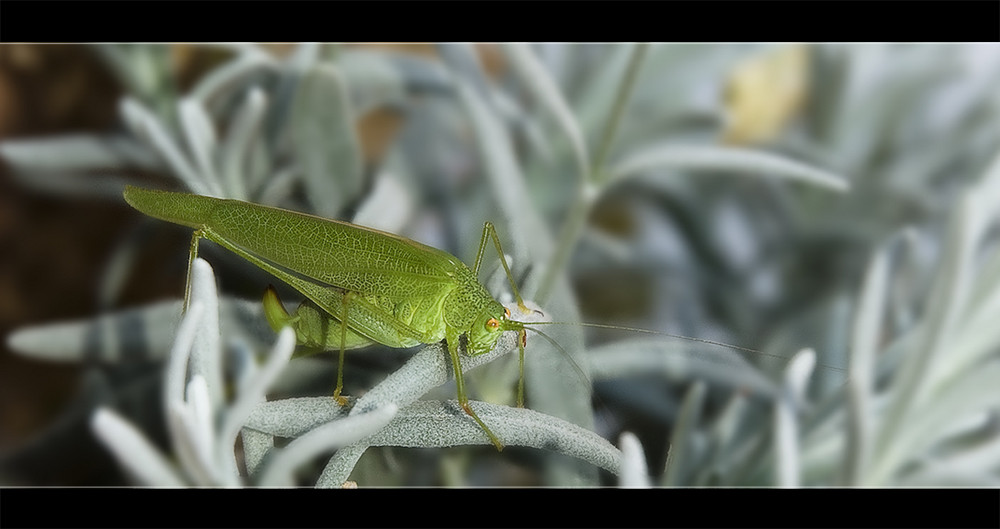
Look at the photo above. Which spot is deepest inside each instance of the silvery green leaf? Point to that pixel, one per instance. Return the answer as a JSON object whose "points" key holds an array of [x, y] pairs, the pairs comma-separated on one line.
{"points": [[253, 393], [133, 333], [145, 70], [428, 369], [538, 80], [228, 76], [444, 423], [634, 471], [462, 59], [244, 132], [104, 186], [939, 475], [325, 140], [975, 394], [557, 381], [616, 113], [985, 297], [505, 177], [305, 372], [199, 427], [305, 56], [387, 207], [55, 164], [122, 62], [256, 445], [173, 391], [77, 152], [206, 346], [724, 159], [950, 292], [340, 466], [679, 360], [861, 106], [373, 79], [332, 435], [555, 58], [146, 126], [294, 416], [974, 341], [137, 334], [183, 441], [598, 95], [723, 438], [280, 186], [133, 451], [989, 185], [679, 93], [786, 429], [861, 384], [683, 435], [984, 455], [122, 258], [202, 141], [421, 75], [242, 363], [278, 131]]}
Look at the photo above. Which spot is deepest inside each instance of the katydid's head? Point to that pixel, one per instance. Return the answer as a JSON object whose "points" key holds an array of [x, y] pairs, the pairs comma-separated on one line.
{"points": [[488, 326]]}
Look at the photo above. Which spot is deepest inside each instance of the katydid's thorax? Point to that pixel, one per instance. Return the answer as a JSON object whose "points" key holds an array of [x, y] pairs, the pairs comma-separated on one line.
{"points": [[468, 308]]}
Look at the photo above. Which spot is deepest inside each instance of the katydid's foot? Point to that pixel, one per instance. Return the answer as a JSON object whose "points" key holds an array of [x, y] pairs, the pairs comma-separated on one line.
{"points": [[341, 400], [493, 438]]}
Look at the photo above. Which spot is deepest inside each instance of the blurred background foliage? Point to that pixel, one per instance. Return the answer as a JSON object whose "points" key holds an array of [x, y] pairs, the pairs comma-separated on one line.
{"points": [[831, 206]]}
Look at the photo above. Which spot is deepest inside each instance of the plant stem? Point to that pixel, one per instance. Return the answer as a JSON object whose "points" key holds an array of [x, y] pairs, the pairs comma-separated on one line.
{"points": [[585, 191], [624, 92]]}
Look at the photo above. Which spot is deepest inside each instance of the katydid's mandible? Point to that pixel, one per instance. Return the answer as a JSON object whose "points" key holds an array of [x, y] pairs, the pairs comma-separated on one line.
{"points": [[363, 285]]}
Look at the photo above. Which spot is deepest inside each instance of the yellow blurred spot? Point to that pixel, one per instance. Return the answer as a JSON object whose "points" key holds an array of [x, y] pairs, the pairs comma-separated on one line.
{"points": [[349, 485], [764, 93]]}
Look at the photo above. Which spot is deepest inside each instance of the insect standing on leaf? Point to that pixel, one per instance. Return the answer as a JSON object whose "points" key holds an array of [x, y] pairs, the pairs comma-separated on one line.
{"points": [[362, 286]]}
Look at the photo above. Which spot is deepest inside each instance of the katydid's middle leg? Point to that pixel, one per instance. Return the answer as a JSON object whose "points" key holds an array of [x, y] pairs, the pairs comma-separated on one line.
{"points": [[490, 232], [522, 339]]}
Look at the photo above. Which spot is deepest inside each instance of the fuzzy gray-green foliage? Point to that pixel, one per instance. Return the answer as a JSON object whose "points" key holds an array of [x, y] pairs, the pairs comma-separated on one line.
{"points": [[857, 249]]}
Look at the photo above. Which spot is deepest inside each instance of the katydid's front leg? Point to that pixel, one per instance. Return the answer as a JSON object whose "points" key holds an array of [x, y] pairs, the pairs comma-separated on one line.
{"points": [[451, 340], [489, 231]]}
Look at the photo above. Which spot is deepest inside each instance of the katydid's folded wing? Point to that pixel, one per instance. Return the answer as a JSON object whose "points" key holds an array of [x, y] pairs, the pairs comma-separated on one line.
{"points": [[399, 282]]}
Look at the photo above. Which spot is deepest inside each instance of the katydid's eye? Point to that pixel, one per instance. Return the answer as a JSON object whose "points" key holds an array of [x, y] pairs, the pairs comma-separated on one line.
{"points": [[506, 312], [492, 323]]}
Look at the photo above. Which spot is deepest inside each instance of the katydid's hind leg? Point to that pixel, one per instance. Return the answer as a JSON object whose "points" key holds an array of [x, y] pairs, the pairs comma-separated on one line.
{"points": [[463, 399], [192, 257], [348, 297]]}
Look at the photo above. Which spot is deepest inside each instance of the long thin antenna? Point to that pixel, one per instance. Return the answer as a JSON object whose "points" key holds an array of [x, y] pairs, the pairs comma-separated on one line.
{"points": [[679, 336], [576, 367]]}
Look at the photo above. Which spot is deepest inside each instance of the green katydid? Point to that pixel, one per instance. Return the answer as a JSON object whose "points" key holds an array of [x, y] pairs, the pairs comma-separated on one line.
{"points": [[363, 286], [380, 287]]}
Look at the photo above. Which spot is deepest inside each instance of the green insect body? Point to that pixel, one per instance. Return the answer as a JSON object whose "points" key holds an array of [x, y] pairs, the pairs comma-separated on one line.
{"points": [[363, 286]]}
